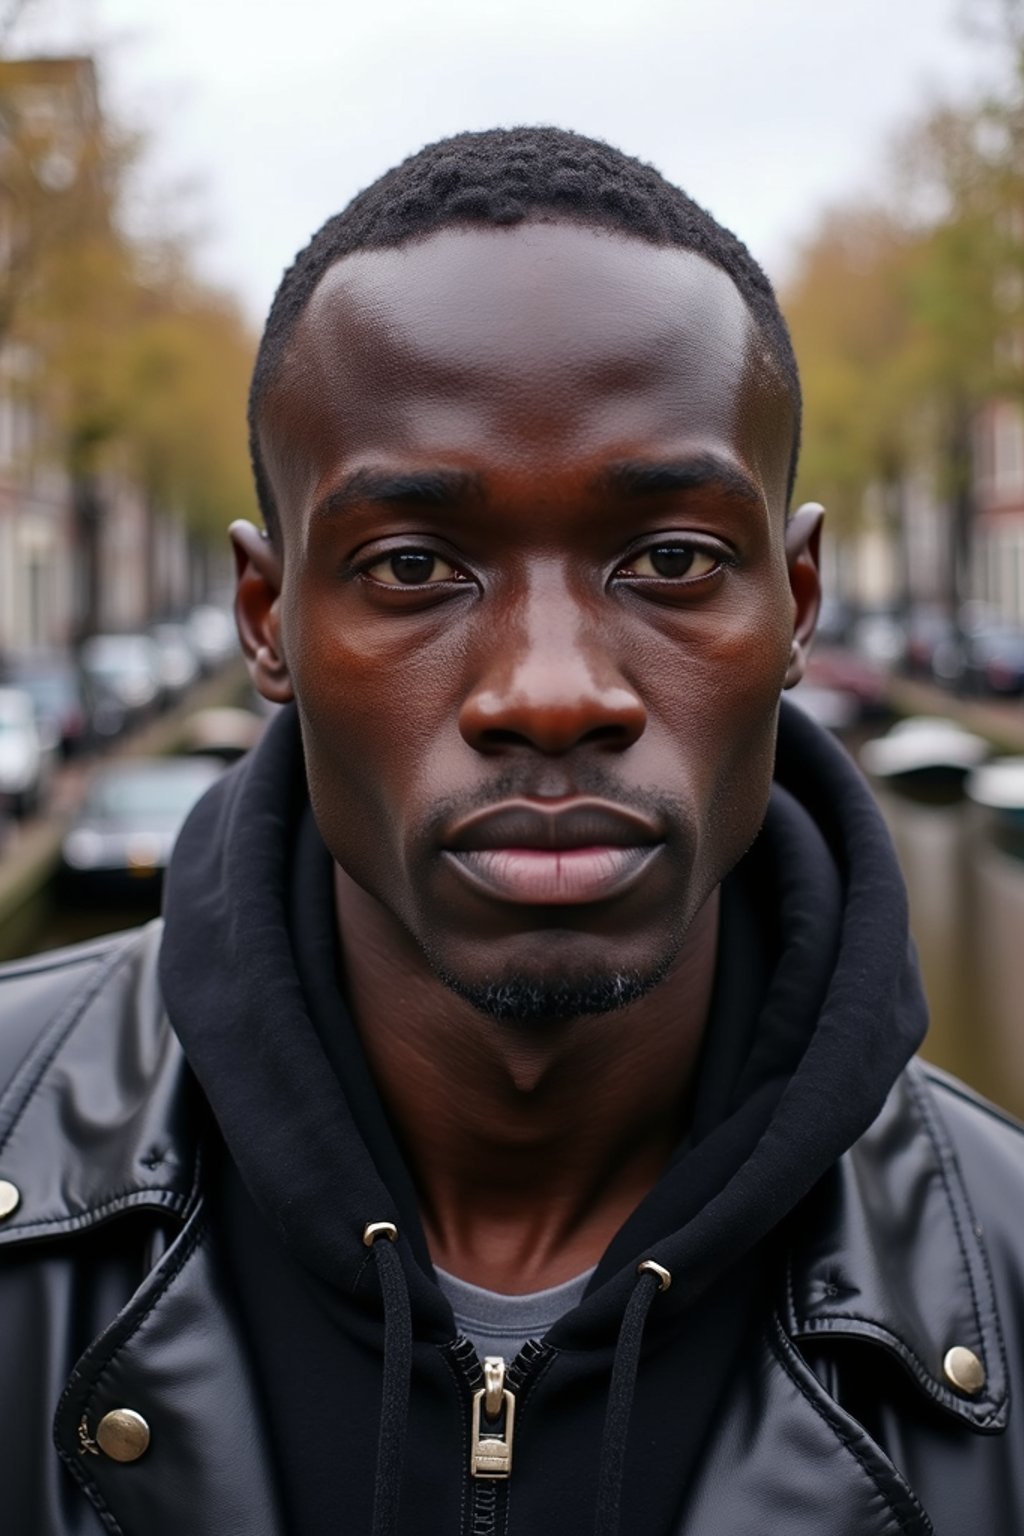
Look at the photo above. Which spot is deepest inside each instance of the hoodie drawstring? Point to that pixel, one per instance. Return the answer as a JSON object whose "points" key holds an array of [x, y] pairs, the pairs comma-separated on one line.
{"points": [[394, 1409], [652, 1279], [394, 1412]]}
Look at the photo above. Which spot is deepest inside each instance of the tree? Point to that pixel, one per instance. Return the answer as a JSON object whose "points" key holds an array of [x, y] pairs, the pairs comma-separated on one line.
{"points": [[908, 314], [133, 366], [855, 337]]}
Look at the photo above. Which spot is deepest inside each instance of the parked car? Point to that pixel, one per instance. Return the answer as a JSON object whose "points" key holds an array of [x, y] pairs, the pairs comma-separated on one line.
{"points": [[123, 677], [120, 841], [25, 759], [58, 694]]}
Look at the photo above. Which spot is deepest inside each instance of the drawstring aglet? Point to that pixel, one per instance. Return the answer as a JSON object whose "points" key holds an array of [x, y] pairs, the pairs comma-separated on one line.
{"points": [[375, 1229]]}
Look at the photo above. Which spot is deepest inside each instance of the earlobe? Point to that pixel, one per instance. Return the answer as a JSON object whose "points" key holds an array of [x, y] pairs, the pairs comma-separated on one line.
{"points": [[259, 572], [803, 540]]}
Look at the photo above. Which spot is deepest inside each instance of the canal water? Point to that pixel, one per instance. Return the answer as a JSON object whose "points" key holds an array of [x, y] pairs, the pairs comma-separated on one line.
{"points": [[967, 917]]}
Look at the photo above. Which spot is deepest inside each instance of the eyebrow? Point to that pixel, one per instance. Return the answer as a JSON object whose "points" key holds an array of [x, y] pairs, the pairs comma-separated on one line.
{"points": [[704, 471], [398, 488], [630, 477]]}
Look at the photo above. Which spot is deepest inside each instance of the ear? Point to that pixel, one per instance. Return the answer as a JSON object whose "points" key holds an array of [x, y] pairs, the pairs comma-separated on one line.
{"points": [[803, 540], [259, 571]]}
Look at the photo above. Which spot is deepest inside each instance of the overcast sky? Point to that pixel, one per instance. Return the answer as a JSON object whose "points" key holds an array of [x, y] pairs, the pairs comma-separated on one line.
{"points": [[277, 111]]}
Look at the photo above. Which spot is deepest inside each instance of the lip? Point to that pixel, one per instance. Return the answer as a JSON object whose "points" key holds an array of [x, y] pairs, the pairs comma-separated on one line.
{"points": [[566, 855]]}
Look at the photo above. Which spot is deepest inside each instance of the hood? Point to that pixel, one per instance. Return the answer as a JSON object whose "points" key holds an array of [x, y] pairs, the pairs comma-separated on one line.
{"points": [[778, 1099], [842, 1013]]}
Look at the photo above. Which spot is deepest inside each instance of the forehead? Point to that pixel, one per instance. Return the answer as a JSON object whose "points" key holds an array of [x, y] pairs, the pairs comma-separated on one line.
{"points": [[523, 344]]}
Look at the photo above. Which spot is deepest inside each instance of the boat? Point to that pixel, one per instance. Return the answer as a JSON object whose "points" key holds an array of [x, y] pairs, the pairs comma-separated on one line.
{"points": [[927, 757], [999, 788]]}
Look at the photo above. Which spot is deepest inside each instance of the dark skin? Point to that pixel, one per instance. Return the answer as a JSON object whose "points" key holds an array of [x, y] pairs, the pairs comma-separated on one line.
{"points": [[536, 597]]}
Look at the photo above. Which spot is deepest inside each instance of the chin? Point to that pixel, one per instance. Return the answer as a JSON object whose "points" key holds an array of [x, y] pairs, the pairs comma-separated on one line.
{"points": [[521, 997]]}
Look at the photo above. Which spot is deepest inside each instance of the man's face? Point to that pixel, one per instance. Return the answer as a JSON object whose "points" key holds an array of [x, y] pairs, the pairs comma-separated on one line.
{"points": [[535, 606]]}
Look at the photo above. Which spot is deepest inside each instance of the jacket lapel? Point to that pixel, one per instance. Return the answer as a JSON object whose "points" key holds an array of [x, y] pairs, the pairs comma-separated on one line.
{"points": [[889, 1251], [175, 1357], [783, 1456]]}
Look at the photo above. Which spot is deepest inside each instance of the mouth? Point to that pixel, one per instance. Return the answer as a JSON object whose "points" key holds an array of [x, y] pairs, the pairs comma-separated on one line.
{"points": [[567, 855]]}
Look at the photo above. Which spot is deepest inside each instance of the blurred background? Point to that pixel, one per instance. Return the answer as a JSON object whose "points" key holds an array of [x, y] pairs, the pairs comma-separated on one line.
{"points": [[160, 166]]}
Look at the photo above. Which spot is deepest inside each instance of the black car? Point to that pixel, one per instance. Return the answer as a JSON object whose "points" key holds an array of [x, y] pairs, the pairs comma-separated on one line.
{"points": [[120, 841]]}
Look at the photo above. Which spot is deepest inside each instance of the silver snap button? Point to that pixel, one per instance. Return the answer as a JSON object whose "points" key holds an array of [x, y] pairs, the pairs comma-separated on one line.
{"points": [[963, 1370], [10, 1198], [122, 1434]]}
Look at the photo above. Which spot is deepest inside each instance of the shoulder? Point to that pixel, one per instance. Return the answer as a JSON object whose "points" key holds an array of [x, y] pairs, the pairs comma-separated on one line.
{"points": [[982, 1135], [46, 994], [988, 1145]]}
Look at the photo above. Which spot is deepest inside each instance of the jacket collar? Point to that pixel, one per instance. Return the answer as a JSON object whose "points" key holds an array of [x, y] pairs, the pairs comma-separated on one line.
{"points": [[100, 1114], [107, 1092], [856, 1271]]}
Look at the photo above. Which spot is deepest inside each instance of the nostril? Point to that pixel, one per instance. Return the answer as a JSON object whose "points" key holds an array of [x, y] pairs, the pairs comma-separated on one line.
{"points": [[555, 738], [497, 738], [547, 713], [614, 735]]}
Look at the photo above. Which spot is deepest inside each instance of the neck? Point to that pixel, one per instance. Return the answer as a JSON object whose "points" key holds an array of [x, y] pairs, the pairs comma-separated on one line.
{"points": [[530, 1145]]}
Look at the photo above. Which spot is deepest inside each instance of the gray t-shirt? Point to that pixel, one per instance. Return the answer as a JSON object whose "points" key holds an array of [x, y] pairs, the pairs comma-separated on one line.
{"points": [[500, 1325]]}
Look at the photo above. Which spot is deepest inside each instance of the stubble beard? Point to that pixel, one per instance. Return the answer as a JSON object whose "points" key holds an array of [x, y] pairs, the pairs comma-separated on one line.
{"points": [[524, 1000]]}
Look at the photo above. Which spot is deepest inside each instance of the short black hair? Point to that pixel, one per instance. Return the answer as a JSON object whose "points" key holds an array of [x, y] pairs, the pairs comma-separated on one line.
{"points": [[502, 177]]}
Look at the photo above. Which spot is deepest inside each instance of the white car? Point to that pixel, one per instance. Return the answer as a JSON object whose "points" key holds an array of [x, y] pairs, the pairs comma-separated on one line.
{"points": [[25, 759]]}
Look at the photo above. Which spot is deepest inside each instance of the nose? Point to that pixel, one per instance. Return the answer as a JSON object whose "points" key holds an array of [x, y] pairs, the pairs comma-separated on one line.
{"points": [[550, 683]]}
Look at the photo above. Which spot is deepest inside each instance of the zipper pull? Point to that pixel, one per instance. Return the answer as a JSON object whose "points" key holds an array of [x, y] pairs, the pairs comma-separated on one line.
{"points": [[494, 1411]]}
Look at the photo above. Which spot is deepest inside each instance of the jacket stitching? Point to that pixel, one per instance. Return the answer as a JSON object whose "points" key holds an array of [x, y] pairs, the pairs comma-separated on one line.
{"points": [[87, 1374], [89, 1377], [823, 1326], [34, 1068], [198, 1237], [937, 1079], [176, 1200], [121, 1200], [941, 1140], [91, 1491], [945, 1156], [780, 1347]]}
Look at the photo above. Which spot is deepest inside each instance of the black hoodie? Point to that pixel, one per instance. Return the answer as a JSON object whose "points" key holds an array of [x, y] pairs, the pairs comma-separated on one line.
{"points": [[369, 1393]]}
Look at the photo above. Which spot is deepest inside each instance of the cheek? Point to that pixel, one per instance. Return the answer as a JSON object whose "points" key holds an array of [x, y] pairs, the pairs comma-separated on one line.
{"points": [[372, 710], [743, 778], [719, 702]]}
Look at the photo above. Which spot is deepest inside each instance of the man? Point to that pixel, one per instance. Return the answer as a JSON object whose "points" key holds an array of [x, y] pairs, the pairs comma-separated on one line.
{"points": [[511, 1127]]}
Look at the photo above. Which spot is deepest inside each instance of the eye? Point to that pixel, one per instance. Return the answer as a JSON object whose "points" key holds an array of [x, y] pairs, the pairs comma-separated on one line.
{"points": [[672, 562], [412, 568]]}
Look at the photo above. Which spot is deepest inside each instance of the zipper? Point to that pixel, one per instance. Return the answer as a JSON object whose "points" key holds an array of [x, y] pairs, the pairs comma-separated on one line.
{"points": [[494, 1417], [495, 1390]]}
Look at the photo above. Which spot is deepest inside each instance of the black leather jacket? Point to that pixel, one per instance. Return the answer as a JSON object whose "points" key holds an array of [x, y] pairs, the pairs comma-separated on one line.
{"points": [[842, 1419]]}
